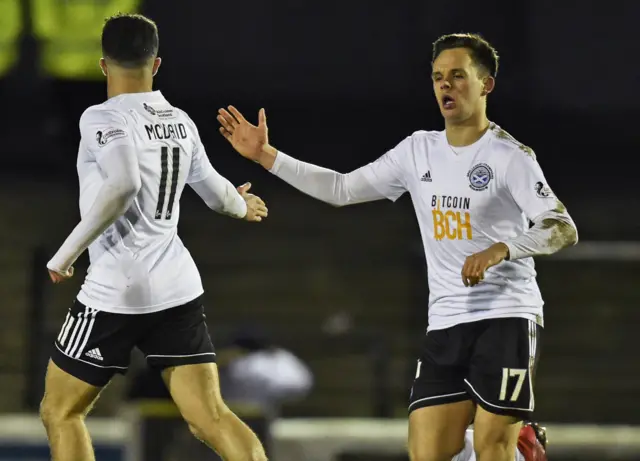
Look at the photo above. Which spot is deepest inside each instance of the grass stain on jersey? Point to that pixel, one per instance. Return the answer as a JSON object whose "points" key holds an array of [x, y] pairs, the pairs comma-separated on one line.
{"points": [[560, 208], [503, 134], [527, 150], [562, 235]]}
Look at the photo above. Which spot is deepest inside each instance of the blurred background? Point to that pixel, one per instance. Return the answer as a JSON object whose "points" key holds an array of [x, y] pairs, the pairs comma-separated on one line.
{"points": [[335, 296]]}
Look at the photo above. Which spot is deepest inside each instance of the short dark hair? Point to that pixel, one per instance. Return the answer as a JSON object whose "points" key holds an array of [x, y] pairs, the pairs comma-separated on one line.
{"points": [[482, 53], [130, 40]]}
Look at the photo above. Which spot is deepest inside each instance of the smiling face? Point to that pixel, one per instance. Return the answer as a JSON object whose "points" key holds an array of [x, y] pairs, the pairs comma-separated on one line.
{"points": [[460, 85]]}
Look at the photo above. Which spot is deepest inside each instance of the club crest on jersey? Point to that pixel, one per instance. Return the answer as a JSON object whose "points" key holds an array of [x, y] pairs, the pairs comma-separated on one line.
{"points": [[104, 137], [543, 191], [480, 176]]}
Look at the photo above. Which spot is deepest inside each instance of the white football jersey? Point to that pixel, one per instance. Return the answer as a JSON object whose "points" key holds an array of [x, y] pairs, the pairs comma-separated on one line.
{"points": [[139, 264], [467, 199]]}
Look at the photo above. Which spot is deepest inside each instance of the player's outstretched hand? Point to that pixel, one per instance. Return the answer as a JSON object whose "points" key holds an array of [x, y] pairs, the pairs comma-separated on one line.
{"points": [[476, 264], [256, 209], [59, 277], [249, 140]]}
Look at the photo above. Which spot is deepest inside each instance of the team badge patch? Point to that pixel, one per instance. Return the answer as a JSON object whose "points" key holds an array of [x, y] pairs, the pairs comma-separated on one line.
{"points": [[105, 137], [480, 176], [543, 191]]}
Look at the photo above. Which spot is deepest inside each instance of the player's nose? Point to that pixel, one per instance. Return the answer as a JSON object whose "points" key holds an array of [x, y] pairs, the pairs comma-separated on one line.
{"points": [[445, 84]]}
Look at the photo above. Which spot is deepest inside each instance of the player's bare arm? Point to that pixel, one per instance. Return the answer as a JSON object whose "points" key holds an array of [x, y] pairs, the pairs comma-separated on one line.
{"points": [[120, 187]]}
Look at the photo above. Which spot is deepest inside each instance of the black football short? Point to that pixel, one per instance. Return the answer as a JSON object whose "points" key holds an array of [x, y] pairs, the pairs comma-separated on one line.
{"points": [[491, 361], [94, 345]]}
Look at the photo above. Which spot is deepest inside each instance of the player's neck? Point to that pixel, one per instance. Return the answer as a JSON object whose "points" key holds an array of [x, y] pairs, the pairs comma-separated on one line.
{"points": [[128, 85], [467, 132]]}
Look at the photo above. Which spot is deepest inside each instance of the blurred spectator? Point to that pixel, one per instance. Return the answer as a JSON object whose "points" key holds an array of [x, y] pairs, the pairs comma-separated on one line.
{"points": [[256, 372]]}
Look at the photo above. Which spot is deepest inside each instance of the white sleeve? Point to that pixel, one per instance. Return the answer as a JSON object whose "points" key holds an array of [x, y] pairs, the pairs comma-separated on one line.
{"points": [[215, 190], [220, 195], [553, 228], [380, 179], [103, 130], [200, 165], [528, 186], [109, 139]]}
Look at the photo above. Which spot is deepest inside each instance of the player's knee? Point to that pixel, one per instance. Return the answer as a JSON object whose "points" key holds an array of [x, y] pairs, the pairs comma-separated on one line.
{"points": [[54, 413], [66, 398], [492, 439]]}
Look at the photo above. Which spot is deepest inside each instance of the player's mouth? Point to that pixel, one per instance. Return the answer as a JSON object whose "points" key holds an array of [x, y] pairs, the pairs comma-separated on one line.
{"points": [[448, 102]]}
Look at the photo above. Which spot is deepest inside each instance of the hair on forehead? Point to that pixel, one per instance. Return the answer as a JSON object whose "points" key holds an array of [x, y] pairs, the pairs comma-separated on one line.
{"points": [[482, 54]]}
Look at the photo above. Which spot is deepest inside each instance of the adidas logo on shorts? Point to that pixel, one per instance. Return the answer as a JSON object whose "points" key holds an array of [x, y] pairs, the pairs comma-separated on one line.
{"points": [[94, 354]]}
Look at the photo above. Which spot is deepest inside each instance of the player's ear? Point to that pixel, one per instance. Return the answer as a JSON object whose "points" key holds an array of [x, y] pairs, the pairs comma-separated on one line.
{"points": [[156, 65], [488, 84], [103, 66]]}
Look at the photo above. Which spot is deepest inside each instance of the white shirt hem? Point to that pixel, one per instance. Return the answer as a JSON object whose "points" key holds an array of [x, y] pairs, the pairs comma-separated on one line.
{"points": [[537, 318], [129, 310]]}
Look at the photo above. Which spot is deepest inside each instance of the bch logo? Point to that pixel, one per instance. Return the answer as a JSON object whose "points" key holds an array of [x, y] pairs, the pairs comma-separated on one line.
{"points": [[450, 224]]}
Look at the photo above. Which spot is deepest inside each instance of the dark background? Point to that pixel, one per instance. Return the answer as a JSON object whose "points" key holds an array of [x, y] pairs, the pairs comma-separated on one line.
{"points": [[342, 82]]}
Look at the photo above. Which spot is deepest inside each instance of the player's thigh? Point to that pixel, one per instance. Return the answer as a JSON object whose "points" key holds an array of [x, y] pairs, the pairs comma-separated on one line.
{"points": [[502, 372], [436, 433], [94, 345], [65, 395], [440, 406], [176, 336], [196, 391]]}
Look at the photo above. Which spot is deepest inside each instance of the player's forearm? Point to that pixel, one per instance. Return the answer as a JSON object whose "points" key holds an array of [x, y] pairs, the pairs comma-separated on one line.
{"points": [[232, 203], [550, 233], [323, 184], [111, 203], [318, 182], [268, 157], [220, 195]]}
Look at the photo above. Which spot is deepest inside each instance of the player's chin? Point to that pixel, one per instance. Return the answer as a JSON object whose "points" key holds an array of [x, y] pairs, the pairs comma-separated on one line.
{"points": [[452, 115]]}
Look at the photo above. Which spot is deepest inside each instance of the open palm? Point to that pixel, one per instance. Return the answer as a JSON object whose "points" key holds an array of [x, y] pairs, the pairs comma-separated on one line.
{"points": [[246, 138]]}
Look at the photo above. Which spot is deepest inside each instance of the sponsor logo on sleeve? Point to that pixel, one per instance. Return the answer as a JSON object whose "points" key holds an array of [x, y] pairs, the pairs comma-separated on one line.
{"points": [[105, 137], [543, 191]]}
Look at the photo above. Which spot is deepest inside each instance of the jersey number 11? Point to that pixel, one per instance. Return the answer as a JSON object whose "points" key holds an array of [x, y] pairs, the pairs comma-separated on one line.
{"points": [[175, 169]]}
